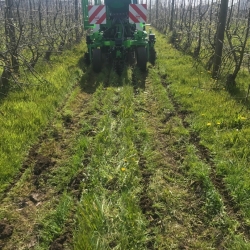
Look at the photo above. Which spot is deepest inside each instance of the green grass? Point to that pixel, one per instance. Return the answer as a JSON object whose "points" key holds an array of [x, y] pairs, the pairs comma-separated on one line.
{"points": [[26, 112], [221, 121], [220, 226], [126, 133], [108, 214], [53, 223]]}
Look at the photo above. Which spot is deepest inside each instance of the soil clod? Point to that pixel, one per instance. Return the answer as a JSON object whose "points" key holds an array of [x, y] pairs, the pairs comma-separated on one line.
{"points": [[42, 163], [34, 198], [59, 243], [6, 230]]}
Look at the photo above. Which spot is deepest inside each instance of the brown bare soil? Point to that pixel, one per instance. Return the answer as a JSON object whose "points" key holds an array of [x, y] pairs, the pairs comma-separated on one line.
{"points": [[5, 230], [59, 243]]}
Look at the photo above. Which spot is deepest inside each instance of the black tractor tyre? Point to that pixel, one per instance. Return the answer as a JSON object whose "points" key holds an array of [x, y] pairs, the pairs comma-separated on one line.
{"points": [[152, 56], [97, 60], [118, 65], [131, 58], [142, 58]]}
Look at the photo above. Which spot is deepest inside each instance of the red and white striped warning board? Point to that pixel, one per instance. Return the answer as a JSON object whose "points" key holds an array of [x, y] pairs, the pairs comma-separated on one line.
{"points": [[137, 13], [97, 14]]}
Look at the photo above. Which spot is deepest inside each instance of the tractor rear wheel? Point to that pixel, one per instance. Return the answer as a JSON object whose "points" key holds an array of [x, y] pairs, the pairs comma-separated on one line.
{"points": [[97, 60], [131, 58], [86, 58], [142, 58], [152, 56]]}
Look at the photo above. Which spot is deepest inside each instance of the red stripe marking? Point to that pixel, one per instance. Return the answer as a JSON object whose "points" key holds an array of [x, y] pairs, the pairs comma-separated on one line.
{"points": [[101, 19], [90, 7], [95, 13], [137, 9], [133, 18]]}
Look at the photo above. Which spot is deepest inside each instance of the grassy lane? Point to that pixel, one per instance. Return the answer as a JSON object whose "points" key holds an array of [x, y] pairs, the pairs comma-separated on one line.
{"points": [[38, 204], [191, 209], [210, 115], [109, 215], [25, 113], [141, 161], [146, 186], [183, 204]]}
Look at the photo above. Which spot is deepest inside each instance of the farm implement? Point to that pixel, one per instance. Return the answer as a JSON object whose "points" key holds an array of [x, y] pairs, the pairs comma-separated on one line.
{"points": [[117, 35]]}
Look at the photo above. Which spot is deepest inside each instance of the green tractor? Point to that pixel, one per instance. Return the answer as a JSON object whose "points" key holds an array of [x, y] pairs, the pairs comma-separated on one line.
{"points": [[117, 34]]}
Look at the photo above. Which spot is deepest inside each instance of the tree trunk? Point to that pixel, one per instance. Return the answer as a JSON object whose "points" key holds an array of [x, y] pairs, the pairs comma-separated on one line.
{"points": [[77, 20], [157, 10], [172, 16], [220, 38], [11, 36], [238, 65]]}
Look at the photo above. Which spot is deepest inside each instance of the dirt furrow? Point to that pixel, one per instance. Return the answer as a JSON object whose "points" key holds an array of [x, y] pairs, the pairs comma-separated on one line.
{"points": [[146, 203]]}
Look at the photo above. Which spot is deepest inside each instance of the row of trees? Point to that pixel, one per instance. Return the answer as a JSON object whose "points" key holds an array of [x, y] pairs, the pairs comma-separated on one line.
{"points": [[215, 32], [35, 29]]}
